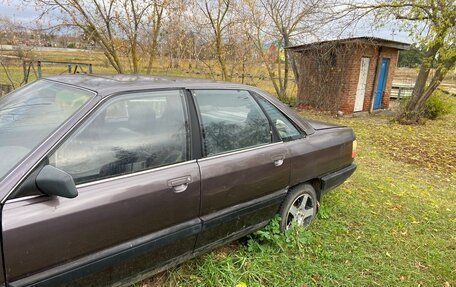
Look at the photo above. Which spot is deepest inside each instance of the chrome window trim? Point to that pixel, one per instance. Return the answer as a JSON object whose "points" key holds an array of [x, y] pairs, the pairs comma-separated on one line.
{"points": [[23, 198], [70, 85], [239, 151], [123, 176]]}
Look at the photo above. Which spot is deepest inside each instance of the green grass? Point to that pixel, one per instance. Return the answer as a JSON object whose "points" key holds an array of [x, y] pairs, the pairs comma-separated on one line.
{"points": [[393, 223]]}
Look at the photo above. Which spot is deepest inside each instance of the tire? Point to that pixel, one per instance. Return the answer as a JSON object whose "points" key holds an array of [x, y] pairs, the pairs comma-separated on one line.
{"points": [[300, 205]]}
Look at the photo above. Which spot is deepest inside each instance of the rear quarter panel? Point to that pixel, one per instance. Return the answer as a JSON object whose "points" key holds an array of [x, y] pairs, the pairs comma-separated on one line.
{"points": [[318, 154]]}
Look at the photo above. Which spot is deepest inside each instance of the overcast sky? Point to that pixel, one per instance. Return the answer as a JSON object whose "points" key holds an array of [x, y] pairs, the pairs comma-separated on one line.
{"points": [[27, 16]]}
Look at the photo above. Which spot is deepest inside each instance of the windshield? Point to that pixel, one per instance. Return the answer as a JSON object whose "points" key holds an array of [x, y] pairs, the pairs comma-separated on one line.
{"points": [[32, 113]]}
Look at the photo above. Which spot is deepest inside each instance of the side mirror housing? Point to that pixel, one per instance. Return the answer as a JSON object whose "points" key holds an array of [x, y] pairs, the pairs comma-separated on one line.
{"points": [[53, 181]]}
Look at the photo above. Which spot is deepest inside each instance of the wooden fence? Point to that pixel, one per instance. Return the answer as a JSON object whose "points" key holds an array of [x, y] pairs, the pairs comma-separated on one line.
{"points": [[401, 90]]}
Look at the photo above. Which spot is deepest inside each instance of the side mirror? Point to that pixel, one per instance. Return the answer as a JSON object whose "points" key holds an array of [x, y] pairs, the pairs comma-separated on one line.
{"points": [[53, 181]]}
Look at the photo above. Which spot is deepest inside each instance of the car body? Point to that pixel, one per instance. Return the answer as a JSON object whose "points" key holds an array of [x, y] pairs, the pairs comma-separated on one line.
{"points": [[109, 179]]}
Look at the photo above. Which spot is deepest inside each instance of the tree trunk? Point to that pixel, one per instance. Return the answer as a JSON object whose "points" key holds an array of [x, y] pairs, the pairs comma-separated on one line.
{"points": [[266, 59], [287, 66], [294, 66], [134, 57], [8, 75], [279, 72], [153, 49], [221, 55], [421, 93], [436, 80], [114, 61], [156, 22], [412, 111]]}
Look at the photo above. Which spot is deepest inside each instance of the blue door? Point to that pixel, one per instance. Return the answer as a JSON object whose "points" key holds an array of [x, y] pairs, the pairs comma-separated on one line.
{"points": [[381, 83]]}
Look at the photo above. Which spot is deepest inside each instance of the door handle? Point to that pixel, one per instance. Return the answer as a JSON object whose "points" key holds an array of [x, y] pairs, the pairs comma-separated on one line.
{"points": [[278, 159], [180, 184], [278, 162]]}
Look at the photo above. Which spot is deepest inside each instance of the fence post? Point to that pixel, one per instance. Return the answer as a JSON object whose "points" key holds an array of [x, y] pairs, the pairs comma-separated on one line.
{"points": [[40, 75], [24, 71]]}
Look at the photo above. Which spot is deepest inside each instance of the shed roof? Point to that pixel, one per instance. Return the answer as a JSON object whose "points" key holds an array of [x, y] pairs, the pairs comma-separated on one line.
{"points": [[365, 40]]}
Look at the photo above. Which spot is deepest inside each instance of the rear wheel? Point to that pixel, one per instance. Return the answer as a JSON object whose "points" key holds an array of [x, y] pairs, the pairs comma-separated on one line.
{"points": [[300, 206]]}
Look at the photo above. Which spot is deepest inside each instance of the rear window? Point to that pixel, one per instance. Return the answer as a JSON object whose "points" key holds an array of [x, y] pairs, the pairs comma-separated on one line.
{"points": [[231, 120]]}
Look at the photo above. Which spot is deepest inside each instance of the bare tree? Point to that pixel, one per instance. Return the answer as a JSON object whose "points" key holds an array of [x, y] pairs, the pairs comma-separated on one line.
{"points": [[115, 25], [13, 33], [217, 13], [155, 23], [96, 18], [278, 22], [129, 19]]}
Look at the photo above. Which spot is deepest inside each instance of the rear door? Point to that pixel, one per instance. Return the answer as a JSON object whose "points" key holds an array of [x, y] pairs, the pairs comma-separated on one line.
{"points": [[138, 202], [244, 169]]}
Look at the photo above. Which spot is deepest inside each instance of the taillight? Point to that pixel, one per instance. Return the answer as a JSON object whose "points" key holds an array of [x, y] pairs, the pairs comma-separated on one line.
{"points": [[354, 146]]}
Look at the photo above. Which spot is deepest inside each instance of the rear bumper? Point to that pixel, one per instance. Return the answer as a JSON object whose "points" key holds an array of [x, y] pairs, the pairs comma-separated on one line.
{"points": [[336, 178]]}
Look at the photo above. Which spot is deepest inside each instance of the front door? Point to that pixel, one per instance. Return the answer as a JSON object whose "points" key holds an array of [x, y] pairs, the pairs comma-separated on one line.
{"points": [[244, 172], [138, 202], [381, 83]]}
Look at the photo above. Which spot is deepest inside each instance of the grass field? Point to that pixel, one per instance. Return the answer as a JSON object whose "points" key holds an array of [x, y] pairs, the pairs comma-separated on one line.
{"points": [[256, 74], [393, 223]]}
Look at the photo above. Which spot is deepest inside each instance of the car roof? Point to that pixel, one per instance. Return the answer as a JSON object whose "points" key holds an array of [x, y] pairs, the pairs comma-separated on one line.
{"points": [[105, 85], [108, 84]]}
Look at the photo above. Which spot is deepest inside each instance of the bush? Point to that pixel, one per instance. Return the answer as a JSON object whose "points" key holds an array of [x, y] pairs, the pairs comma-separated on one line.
{"points": [[437, 106], [270, 236], [288, 100]]}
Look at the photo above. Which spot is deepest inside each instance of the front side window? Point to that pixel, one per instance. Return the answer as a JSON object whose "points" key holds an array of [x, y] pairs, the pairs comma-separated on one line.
{"points": [[31, 114], [287, 131], [127, 134], [231, 120]]}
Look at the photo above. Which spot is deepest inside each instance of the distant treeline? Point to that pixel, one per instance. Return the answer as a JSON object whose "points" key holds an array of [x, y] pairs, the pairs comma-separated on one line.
{"points": [[411, 58]]}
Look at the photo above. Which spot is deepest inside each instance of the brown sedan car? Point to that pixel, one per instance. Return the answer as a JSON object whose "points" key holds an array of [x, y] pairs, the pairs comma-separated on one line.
{"points": [[105, 180]]}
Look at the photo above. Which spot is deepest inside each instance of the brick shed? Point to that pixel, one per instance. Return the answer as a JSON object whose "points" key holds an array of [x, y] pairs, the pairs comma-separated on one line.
{"points": [[349, 75]]}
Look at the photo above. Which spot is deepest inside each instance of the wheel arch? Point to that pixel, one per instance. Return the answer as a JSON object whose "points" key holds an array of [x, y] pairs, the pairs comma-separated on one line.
{"points": [[314, 182]]}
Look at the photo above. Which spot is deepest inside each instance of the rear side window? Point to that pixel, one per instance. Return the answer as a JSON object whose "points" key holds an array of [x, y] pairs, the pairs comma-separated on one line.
{"points": [[127, 134], [287, 131], [231, 120]]}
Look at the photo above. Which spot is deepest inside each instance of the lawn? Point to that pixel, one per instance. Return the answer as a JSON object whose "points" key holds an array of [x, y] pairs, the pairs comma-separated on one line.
{"points": [[393, 223]]}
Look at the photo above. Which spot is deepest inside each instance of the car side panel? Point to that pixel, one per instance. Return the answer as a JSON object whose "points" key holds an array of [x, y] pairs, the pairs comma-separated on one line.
{"points": [[237, 190], [45, 232], [323, 152]]}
